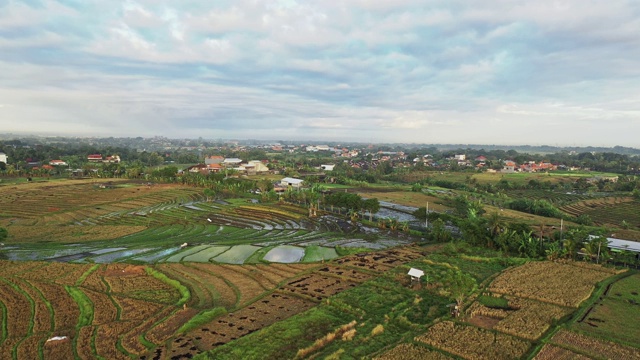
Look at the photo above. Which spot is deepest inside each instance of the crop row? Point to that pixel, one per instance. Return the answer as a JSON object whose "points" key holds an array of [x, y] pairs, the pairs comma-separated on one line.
{"points": [[586, 206], [549, 282], [553, 352], [410, 351], [473, 343], [556, 198], [594, 347]]}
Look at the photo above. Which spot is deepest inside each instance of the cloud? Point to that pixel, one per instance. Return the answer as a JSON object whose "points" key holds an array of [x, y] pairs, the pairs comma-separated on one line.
{"points": [[399, 70]]}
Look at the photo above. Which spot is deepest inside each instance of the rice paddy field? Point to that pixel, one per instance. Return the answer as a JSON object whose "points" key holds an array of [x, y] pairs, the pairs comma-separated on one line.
{"points": [[127, 270]]}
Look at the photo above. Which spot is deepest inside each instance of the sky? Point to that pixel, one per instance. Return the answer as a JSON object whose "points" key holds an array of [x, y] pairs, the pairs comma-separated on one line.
{"points": [[396, 71]]}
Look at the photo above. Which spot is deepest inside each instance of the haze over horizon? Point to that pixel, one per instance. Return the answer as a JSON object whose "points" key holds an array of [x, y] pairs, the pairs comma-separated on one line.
{"points": [[562, 73]]}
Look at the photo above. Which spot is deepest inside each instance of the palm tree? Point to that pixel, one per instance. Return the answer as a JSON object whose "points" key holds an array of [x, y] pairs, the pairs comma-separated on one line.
{"points": [[573, 242], [496, 226], [553, 251], [353, 214], [393, 224]]}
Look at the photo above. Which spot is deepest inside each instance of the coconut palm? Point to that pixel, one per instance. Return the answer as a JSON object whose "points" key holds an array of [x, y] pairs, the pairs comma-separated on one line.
{"points": [[353, 214]]}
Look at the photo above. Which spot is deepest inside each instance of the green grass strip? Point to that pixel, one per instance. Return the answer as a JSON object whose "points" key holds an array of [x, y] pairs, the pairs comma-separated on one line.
{"points": [[84, 303], [185, 295], [148, 344], [5, 331], [86, 274], [86, 313], [122, 349], [93, 344], [113, 301], [202, 318]]}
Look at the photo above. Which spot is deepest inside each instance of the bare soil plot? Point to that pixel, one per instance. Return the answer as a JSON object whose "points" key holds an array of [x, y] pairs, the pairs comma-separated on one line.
{"points": [[378, 261], [264, 312], [318, 286], [344, 273]]}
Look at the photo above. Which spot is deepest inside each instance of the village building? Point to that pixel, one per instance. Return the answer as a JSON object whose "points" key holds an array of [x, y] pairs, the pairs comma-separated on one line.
{"points": [[214, 159], [291, 182], [94, 158], [57, 163]]}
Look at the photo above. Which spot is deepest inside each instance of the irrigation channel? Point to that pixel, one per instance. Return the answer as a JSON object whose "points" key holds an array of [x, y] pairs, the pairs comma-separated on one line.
{"points": [[213, 235]]}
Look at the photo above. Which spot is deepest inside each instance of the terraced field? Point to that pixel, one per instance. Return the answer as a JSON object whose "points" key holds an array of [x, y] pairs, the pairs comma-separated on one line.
{"points": [[117, 311], [176, 228], [611, 211], [556, 198]]}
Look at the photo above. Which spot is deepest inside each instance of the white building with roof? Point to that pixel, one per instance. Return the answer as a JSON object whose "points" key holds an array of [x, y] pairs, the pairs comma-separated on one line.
{"points": [[293, 182]]}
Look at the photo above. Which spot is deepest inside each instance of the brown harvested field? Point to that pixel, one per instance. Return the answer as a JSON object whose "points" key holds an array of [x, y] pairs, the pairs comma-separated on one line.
{"points": [[594, 347], [525, 217], [203, 286], [251, 271], [51, 205], [107, 336], [131, 340], [105, 310], [378, 261], [473, 343], [66, 311], [61, 349], [289, 270], [9, 268], [343, 273], [95, 281], [264, 312], [6, 347], [482, 321], [128, 302], [133, 281], [83, 347], [165, 329], [411, 352], [28, 349], [525, 318], [553, 352], [549, 282], [531, 319], [405, 198], [70, 234], [248, 287], [318, 286], [18, 310], [133, 309]]}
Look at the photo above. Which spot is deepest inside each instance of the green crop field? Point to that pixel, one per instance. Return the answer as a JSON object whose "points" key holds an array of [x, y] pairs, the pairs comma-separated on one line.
{"points": [[609, 318]]}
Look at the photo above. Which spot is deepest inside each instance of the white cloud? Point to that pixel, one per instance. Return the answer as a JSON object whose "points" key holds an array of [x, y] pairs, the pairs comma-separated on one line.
{"points": [[444, 70]]}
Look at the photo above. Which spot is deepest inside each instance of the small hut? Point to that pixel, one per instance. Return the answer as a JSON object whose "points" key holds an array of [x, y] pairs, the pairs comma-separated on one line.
{"points": [[415, 274]]}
